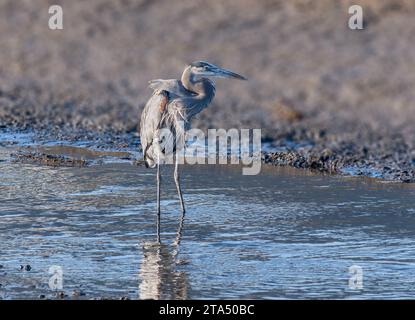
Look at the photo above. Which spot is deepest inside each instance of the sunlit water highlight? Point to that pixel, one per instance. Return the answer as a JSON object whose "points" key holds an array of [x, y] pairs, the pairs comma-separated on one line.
{"points": [[285, 233]]}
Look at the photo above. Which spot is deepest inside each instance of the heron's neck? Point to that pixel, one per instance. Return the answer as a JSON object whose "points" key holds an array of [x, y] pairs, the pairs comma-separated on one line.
{"points": [[203, 87]]}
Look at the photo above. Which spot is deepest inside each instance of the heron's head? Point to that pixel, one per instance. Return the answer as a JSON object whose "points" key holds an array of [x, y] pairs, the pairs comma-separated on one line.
{"points": [[206, 69]]}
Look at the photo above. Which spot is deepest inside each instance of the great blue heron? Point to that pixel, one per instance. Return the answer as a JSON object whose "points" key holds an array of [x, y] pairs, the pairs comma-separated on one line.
{"points": [[172, 106]]}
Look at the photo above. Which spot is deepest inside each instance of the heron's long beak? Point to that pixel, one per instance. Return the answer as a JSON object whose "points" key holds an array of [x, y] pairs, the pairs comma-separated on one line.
{"points": [[223, 73]]}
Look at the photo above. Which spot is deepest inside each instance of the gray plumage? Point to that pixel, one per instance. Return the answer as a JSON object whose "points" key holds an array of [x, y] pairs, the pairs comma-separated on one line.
{"points": [[172, 102]]}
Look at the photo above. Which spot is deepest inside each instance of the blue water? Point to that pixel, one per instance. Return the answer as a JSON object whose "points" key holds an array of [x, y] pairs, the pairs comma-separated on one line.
{"points": [[285, 233]]}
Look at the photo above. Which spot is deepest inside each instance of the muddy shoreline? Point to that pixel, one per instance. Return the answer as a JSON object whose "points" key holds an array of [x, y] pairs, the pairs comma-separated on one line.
{"points": [[326, 97], [344, 159]]}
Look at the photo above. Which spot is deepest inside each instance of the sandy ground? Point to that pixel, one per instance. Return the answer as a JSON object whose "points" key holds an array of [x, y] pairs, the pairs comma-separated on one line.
{"points": [[346, 97]]}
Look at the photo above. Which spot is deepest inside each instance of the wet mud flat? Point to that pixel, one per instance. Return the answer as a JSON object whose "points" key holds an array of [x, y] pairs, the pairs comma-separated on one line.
{"points": [[285, 233], [302, 152], [326, 97]]}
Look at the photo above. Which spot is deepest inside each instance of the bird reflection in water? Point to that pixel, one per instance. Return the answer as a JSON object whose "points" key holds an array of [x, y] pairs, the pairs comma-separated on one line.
{"points": [[160, 279]]}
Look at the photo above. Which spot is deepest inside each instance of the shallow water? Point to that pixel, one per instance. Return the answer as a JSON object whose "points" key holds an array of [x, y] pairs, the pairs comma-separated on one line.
{"points": [[285, 233]]}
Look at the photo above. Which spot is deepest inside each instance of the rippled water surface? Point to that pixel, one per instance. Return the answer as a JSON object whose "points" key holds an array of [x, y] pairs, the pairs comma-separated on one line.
{"points": [[282, 234]]}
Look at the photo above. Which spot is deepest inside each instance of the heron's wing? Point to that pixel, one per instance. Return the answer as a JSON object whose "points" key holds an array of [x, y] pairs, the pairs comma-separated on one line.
{"points": [[154, 118], [172, 86], [150, 124]]}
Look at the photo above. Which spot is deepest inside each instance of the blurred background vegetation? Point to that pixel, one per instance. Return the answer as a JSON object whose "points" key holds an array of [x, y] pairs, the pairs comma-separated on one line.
{"points": [[307, 70]]}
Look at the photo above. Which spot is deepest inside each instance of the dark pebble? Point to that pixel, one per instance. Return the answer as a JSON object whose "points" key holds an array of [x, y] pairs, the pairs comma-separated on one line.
{"points": [[77, 293]]}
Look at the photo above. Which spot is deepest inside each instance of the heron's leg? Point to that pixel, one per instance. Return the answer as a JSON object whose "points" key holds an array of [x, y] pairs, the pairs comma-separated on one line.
{"points": [[178, 238], [177, 181], [158, 201]]}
